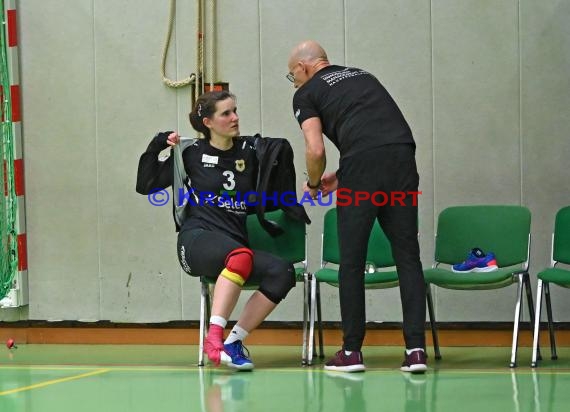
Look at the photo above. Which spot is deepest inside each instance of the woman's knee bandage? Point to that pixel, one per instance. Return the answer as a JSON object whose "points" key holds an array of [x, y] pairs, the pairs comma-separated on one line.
{"points": [[238, 265]]}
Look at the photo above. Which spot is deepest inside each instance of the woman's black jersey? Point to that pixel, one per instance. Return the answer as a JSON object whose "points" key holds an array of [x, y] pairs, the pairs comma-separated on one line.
{"points": [[219, 183]]}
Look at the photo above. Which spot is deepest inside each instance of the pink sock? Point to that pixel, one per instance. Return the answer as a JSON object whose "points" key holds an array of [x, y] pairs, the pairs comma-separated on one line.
{"points": [[214, 343]]}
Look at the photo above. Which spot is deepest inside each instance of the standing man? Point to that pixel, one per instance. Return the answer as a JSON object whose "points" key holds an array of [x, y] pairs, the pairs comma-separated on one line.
{"points": [[377, 154]]}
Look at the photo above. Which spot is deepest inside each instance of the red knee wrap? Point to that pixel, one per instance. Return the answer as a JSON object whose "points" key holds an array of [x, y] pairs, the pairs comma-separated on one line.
{"points": [[238, 265]]}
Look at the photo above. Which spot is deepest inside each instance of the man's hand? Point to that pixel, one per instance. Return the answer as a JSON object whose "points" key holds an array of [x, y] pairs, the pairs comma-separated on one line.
{"points": [[329, 183]]}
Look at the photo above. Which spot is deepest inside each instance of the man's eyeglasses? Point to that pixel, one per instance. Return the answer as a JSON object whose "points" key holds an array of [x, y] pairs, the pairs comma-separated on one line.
{"points": [[291, 75]]}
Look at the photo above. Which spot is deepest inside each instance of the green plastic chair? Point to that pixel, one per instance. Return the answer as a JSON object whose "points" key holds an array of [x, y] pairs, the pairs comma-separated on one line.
{"points": [[380, 271], [554, 275], [502, 229], [290, 246]]}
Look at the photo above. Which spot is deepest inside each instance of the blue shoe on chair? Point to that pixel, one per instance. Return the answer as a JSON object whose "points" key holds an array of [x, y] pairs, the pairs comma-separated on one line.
{"points": [[234, 356], [477, 261]]}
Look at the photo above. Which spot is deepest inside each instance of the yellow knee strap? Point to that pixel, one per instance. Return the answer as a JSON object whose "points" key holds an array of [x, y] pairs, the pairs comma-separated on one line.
{"points": [[233, 277]]}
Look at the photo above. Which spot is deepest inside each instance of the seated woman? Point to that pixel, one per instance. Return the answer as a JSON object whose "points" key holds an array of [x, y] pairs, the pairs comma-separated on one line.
{"points": [[212, 241]]}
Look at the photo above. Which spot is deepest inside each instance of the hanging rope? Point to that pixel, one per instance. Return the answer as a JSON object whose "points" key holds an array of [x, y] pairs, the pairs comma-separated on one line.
{"points": [[173, 83], [211, 43], [200, 49]]}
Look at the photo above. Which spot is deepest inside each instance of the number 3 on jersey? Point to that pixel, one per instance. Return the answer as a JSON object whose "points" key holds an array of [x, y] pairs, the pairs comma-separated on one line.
{"points": [[231, 182]]}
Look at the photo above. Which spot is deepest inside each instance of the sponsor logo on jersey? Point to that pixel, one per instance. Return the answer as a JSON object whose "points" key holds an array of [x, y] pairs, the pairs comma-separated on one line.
{"points": [[240, 165], [297, 113], [210, 159]]}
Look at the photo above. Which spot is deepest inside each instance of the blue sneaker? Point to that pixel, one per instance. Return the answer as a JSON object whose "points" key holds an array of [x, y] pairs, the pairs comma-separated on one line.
{"points": [[234, 356], [477, 261]]}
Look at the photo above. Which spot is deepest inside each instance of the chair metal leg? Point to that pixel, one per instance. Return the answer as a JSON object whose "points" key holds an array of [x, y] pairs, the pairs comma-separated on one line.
{"points": [[528, 288], [312, 304], [320, 322], [536, 333], [518, 311], [204, 299], [553, 354], [432, 323], [306, 315]]}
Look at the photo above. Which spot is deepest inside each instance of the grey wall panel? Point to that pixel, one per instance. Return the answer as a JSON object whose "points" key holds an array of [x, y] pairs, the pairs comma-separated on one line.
{"points": [[238, 58], [138, 265], [545, 119], [181, 63], [392, 40], [182, 55], [14, 314], [284, 25], [476, 102], [310, 21], [476, 123], [60, 159], [190, 287]]}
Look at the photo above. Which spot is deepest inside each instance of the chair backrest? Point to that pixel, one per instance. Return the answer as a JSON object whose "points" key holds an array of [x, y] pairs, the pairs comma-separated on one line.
{"points": [[561, 247], [379, 250], [290, 245], [501, 229]]}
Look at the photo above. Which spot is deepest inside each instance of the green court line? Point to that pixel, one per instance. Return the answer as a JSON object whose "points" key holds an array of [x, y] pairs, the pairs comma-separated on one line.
{"points": [[54, 381]]}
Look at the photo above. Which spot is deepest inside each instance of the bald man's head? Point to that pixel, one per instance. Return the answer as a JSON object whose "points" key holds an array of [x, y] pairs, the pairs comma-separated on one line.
{"points": [[309, 51], [307, 58]]}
